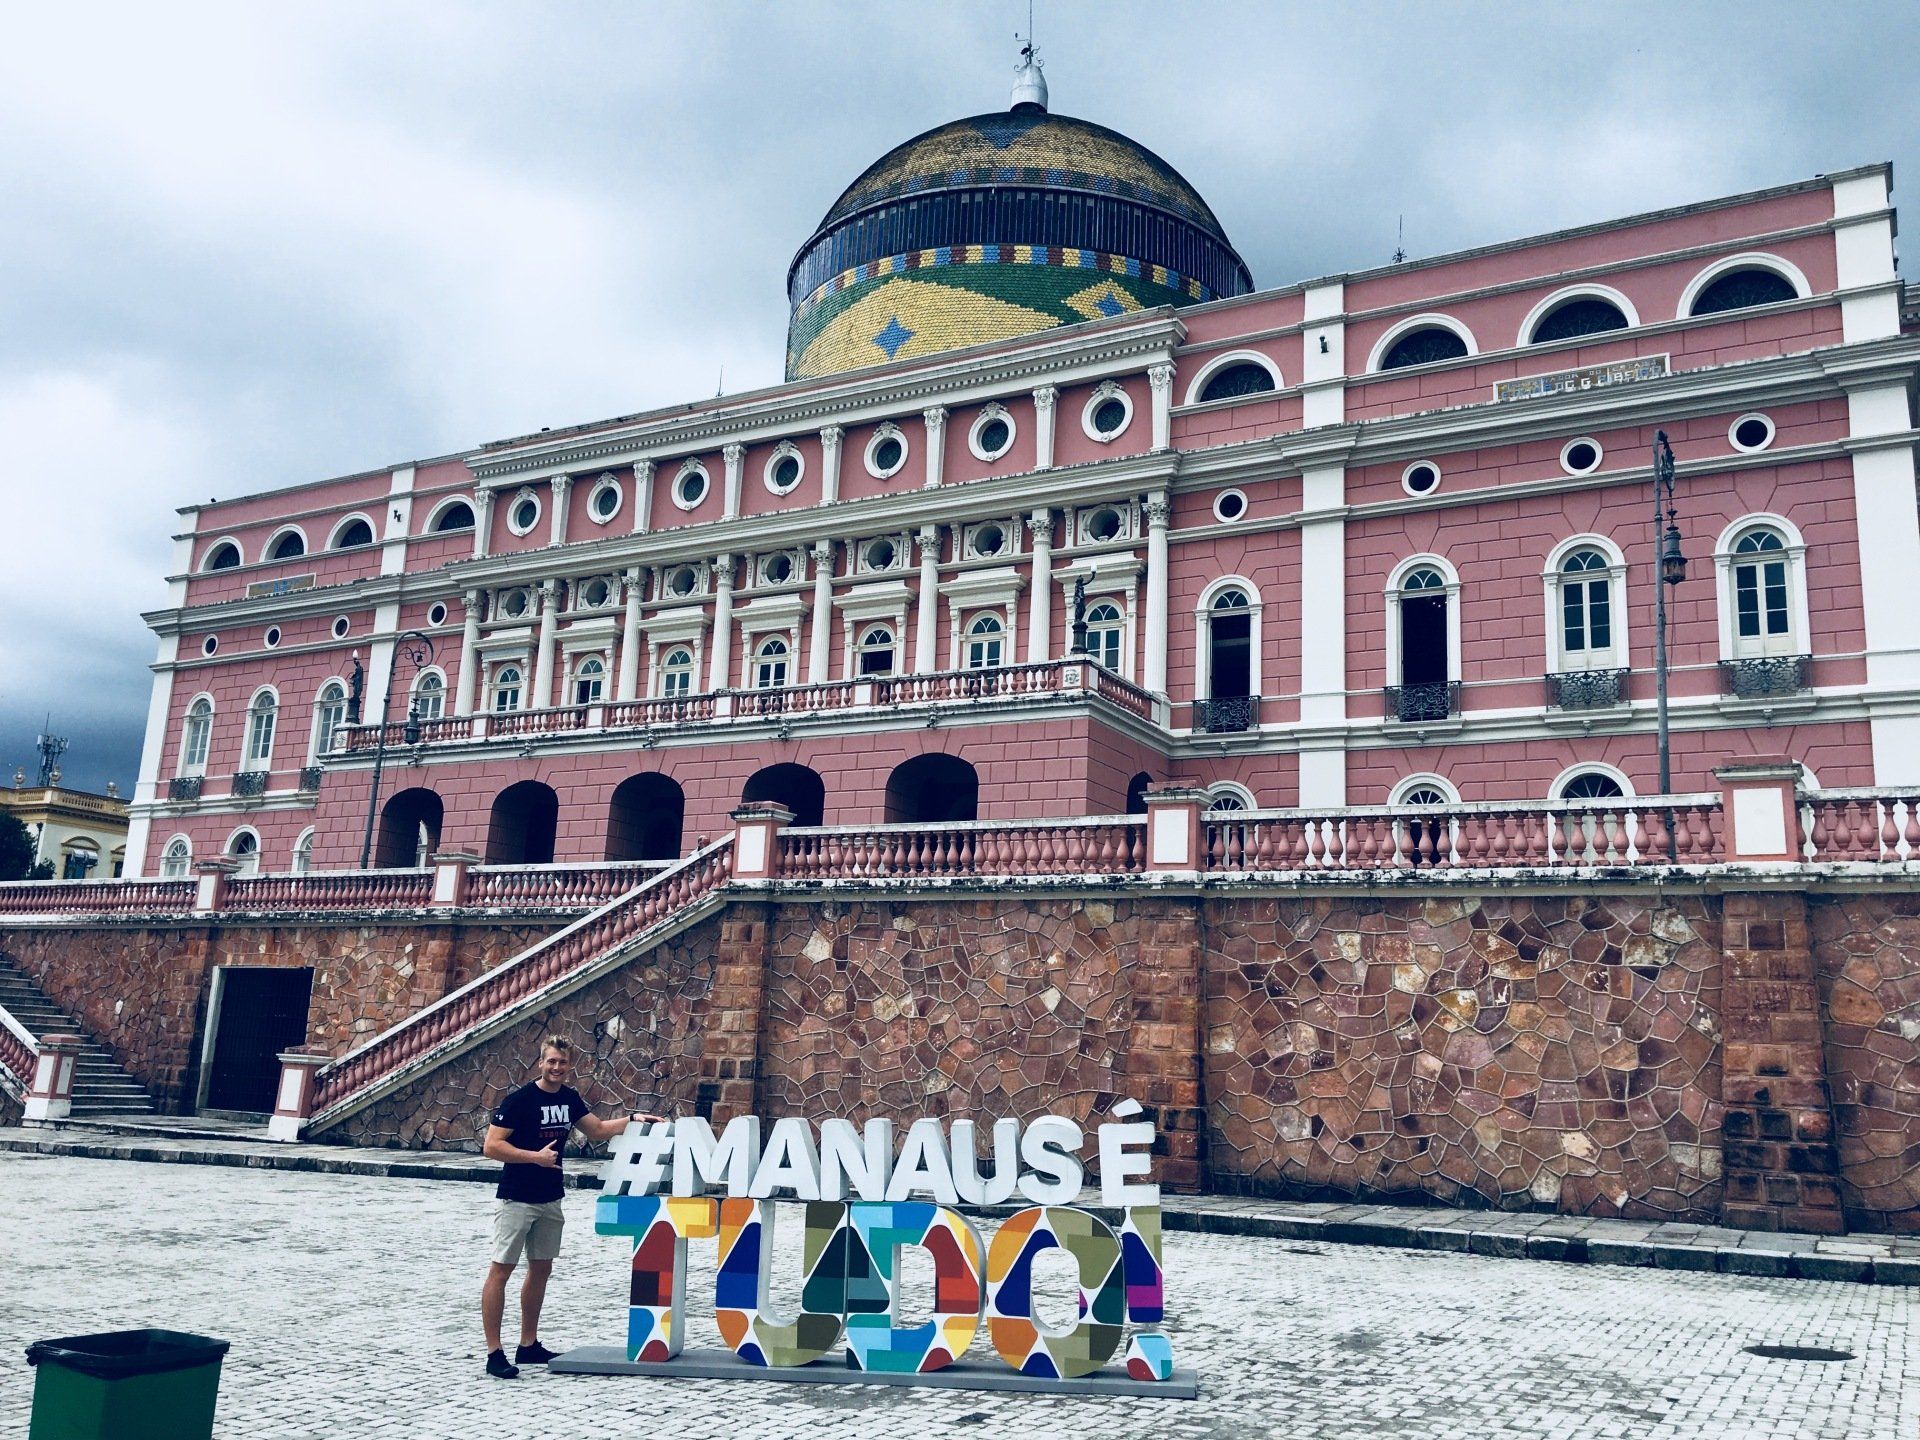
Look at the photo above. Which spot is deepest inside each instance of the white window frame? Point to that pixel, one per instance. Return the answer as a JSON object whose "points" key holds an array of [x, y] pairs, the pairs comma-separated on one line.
{"points": [[581, 674], [1009, 538], [1106, 390], [576, 593], [607, 482], [971, 635], [1746, 260], [249, 864], [206, 556], [860, 632], [1587, 290], [187, 764], [249, 760], [495, 684], [302, 861], [796, 569], [761, 661], [785, 450], [1202, 635], [1406, 478], [887, 431], [524, 493], [1229, 790], [902, 548], [497, 612], [419, 688], [992, 412], [1557, 790], [267, 557], [1450, 587], [680, 476], [1129, 531], [432, 526], [373, 530], [315, 739], [169, 858], [1428, 320], [1425, 779], [1553, 582], [1119, 629], [1599, 455], [664, 671], [1797, 640], [1221, 362], [1734, 429]]}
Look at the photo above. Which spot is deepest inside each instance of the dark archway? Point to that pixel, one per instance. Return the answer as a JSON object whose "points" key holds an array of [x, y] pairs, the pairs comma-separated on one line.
{"points": [[792, 787], [409, 829], [520, 829], [931, 788], [645, 817], [1137, 793]]}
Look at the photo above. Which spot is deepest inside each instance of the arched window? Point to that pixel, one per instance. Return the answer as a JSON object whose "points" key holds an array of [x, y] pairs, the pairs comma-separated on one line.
{"points": [[430, 695], [1590, 785], [354, 533], [1581, 315], [303, 852], [1106, 629], [1741, 290], [1423, 837], [1227, 798], [262, 716], [329, 714], [1242, 378], [244, 846], [287, 545], [770, 664], [1762, 611], [589, 680], [1428, 345], [1586, 610], [176, 859], [455, 515], [876, 650], [1226, 700], [984, 637], [1424, 644], [1760, 576], [224, 556], [79, 858], [196, 737], [676, 672], [506, 688]]}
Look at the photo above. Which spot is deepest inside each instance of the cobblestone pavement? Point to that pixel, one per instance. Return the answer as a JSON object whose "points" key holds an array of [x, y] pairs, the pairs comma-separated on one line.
{"points": [[351, 1305]]}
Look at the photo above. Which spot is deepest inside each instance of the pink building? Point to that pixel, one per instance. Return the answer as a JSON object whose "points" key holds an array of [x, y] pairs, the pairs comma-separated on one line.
{"points": [[1376, 538]]}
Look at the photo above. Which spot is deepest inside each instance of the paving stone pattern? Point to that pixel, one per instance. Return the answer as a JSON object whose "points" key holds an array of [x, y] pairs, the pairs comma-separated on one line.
{"points": [[350, 1303]]}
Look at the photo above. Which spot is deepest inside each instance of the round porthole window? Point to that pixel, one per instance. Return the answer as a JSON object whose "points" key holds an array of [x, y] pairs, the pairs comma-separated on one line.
{"points": [[515, 603], [690, 488], [1420, 478], [595, 593], [524, 515], [777, 569], [436, 614], [683, 580], [1751, 432], [341, 625], [783, 471], [886, 453], [272, 637], [1109, 417], [989, 540], [1580, 457], [1104, 524], [210, 644], [879, 554], [992, 434], [604, 503], [1229, 505]]}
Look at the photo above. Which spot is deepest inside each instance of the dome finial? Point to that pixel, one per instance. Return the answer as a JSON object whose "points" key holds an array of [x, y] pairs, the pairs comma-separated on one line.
{"points": [[1029, 85]]}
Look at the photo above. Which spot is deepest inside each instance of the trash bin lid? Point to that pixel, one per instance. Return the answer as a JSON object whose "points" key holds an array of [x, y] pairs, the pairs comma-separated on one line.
{"points": [[128, 1352]]}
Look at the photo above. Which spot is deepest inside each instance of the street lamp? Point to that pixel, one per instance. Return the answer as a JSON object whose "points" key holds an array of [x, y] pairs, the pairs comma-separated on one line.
{"points": [[417, 650], [1673, 569]]}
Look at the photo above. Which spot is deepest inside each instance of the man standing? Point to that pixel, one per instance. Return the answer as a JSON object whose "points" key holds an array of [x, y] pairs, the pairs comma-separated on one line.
{"points": [[529, 1133]]}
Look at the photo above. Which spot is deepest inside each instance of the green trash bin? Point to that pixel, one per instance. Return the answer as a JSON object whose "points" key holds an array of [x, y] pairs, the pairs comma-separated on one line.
{"points": [[126, 1385]]}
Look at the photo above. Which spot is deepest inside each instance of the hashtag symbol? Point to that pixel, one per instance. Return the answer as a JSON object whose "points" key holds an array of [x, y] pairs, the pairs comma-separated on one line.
{"points": [[641, 1160]]}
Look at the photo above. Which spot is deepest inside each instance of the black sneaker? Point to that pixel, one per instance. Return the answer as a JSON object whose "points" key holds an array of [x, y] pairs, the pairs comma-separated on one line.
{"points": [[534, 1354], [498, 1367]]}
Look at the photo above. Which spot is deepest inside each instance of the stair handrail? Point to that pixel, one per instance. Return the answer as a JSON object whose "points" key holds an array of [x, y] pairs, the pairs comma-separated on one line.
{"points": [[19, 1047], [533, 969]]}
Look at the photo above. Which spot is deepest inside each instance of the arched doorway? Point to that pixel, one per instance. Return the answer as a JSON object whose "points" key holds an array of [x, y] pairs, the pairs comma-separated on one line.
{"points": [[409, 829], [792, 787], [521, 826], [645, 817], [930, 788], [1137, 793]]}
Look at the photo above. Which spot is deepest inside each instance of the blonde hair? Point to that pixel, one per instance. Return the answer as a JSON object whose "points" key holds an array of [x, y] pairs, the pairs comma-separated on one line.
{"points": [[556, 1042]]}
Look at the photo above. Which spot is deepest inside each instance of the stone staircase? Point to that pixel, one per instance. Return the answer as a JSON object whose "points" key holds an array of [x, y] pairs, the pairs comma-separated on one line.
{"points": [[100, 1086]]}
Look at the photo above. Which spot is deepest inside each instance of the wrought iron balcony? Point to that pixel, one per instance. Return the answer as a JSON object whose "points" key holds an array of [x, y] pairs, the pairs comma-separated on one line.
{"points": [[185, 787], [1430, 700], [1763, 676], [1227, 715], [310, 777], [1586, 689], [250, 782]]}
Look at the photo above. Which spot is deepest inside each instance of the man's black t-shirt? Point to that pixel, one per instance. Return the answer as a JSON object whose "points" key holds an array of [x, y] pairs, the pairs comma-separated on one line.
{"points": [[536, 1119]]}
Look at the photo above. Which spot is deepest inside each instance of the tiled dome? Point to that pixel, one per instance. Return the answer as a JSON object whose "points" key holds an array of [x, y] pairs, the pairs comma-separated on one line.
{"points": [[996, 226]]}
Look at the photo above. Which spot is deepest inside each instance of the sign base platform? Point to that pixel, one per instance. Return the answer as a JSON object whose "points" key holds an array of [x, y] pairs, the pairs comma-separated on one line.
{"points": [[961, 1375]]}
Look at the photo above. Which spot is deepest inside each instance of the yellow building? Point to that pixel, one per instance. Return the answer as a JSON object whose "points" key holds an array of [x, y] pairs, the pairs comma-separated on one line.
{"points": [[83, 836]]}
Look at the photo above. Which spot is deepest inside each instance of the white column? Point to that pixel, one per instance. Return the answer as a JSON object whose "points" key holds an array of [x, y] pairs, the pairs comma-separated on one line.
{"points": [[482, 523], [562, 491], [1040, 616], [1889, 539], [736, 455], [540, 694], [1044, 400], [1863, 256], [1160, 381], [1324, 366], [935, 419], [642, 496], [386, 629], [720, 657], [830, 439], [469, 655], [1154, 663], [822, 613], [1323, 642], [398, 521], [627, 686], [925, 642]]}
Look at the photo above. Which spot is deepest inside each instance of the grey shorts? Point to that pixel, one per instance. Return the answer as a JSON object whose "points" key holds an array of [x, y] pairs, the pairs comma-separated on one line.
{"points": [[536, 1228]]}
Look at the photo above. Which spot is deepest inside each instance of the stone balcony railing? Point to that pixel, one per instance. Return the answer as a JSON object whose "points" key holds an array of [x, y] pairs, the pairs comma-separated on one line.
{"points": [[1053, 680]]}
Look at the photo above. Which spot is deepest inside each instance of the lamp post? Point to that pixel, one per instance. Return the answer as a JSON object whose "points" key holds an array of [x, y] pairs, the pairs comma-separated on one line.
{"points": [[1672, 570], [417, 649]]}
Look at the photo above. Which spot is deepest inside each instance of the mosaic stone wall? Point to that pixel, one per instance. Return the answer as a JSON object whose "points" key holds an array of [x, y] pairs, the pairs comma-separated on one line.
{"points": [[638, 1037], [1865, 949], [1553, 1053]]}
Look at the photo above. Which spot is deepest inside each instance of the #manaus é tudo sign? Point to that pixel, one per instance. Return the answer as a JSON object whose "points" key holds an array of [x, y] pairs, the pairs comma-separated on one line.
{"points": [[863, 1201]]}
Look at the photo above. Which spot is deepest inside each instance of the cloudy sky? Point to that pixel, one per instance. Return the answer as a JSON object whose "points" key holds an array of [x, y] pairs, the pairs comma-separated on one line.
{"points": [[244, 246]]}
